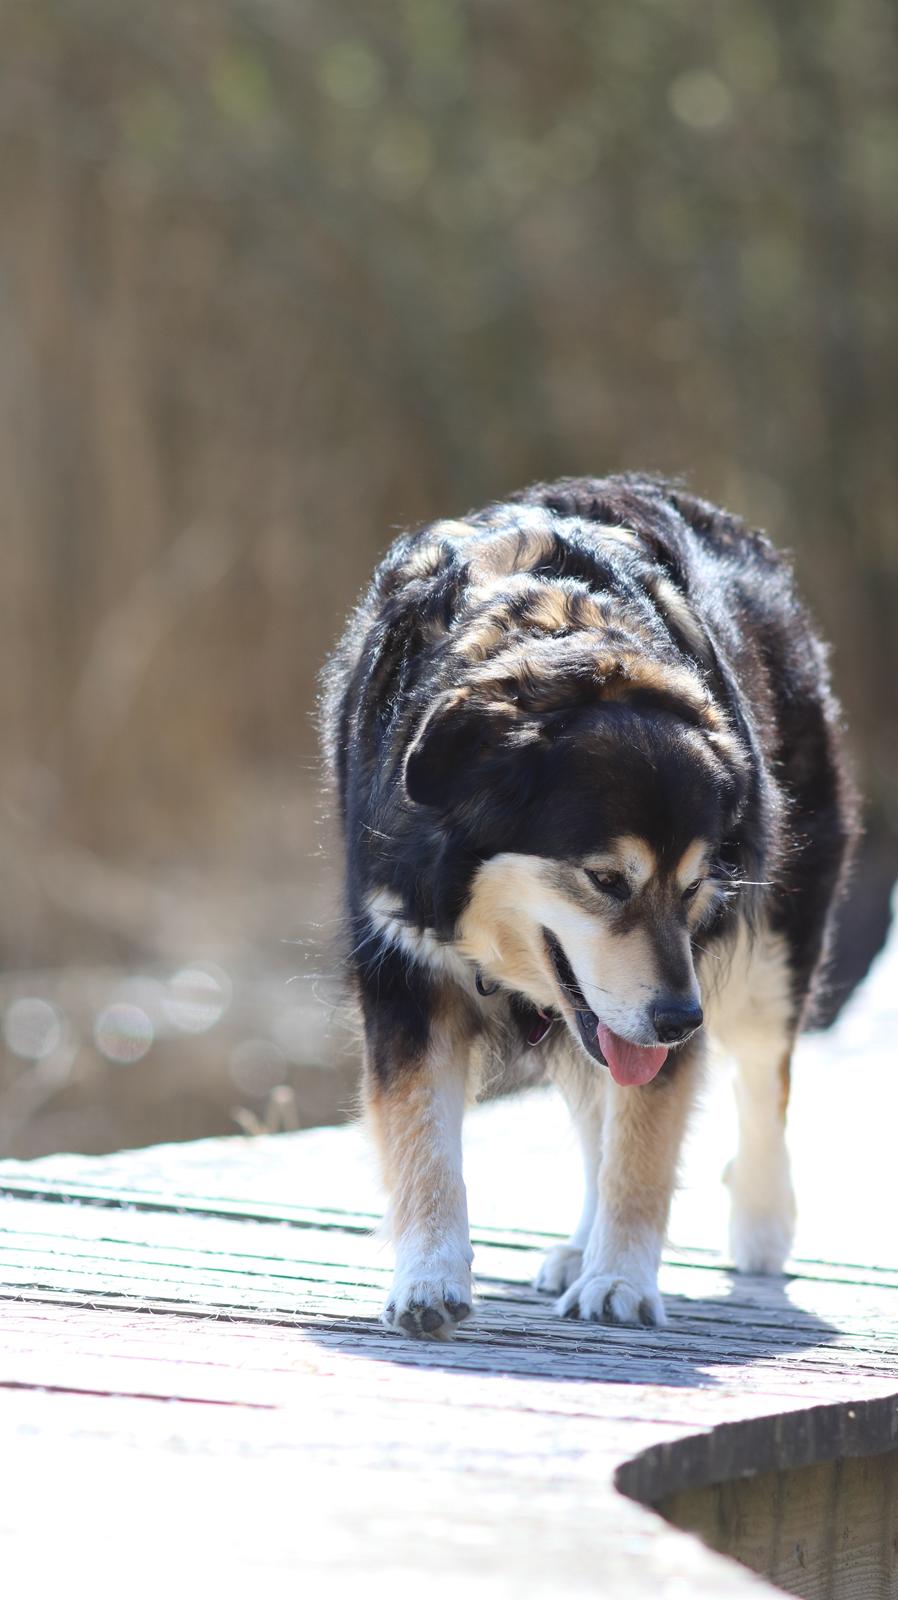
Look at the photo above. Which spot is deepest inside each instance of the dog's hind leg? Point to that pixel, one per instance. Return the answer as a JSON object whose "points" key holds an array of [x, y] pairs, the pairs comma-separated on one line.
{"points": [[757, 1025], [762, 1201], [415, 1104], [641, 1137], [581, 1090]]}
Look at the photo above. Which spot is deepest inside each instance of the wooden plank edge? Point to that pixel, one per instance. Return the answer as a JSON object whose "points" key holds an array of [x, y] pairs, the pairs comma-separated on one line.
{"points": [[774, 1443]]}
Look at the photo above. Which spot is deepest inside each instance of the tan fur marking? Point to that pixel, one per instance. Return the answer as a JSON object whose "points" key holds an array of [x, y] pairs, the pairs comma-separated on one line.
{"points": [[619, 535], [589, 612], [627, 670], [728, 746], [452, 530], [497, 932], [425, 561], [641, 1134], [642, 1139], [416, 1120], [629, 854], [430, 555], [514, 550], [479, 640], [616, 674], [692, 863], [636, 858], [785, 1084], [496, 557], [558, 610], [424, 1190], [678, 611], [549, 609]]}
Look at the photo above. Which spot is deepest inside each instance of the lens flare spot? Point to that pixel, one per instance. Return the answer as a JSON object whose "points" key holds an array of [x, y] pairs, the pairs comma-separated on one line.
{"points": [[32, 1028], [123, 1032], [197, 998]]}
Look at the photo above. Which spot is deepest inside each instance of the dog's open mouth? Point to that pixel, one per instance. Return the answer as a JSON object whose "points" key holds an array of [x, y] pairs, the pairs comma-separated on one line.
{"points": [[629, 1064]]}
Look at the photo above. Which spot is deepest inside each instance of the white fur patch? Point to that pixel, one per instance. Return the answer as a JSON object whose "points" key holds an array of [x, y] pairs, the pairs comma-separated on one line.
{"points": [[618, 1279], [752, 1015], [762, 1213], [419, 1132], [438, 1283], [582, 1090], [749, 991], [628, 1294], [562, 1266], [420, 944]]}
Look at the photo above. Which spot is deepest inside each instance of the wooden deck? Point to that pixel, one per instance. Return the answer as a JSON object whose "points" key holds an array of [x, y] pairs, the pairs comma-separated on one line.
{"points": [[196, 1392]]}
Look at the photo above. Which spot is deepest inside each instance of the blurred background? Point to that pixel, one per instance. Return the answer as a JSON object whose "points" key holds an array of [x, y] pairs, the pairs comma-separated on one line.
{"points": [[278, 277]]}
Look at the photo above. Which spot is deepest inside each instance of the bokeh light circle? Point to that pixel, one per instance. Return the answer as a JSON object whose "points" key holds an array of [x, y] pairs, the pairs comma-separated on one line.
{"points": [[123, 1032], [32, 1028], [196, 998]]}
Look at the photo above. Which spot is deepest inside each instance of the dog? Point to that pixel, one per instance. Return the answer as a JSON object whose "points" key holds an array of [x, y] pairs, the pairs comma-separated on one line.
{"points": [[596, 810]]}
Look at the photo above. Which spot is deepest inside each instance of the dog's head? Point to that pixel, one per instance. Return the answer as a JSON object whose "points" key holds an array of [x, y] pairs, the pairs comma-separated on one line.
{"points": [[595, 814]]}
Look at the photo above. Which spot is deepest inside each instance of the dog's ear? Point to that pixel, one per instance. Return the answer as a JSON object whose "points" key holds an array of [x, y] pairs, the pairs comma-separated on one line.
{"points": [[456, 738]]}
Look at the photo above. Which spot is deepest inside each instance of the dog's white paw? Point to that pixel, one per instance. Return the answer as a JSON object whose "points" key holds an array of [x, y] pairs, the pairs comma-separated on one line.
{"points": [[426, 1304], [563, 1263], [762, 1225], [605, 1297], [760, 1241]]}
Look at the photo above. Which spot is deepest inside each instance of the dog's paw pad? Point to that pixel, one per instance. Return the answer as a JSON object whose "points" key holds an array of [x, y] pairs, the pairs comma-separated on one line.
{"points": [[603, 1297], [457, 1308], [428, 1310], [563, 1263]]}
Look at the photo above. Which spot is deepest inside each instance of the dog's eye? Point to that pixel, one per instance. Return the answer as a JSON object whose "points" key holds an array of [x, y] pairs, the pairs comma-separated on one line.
{"points": [[691, 891], [610, 883]]}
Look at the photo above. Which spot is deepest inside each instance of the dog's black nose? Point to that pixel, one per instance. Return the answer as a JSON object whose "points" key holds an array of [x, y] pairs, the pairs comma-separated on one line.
{"points": [[674, 1021]]}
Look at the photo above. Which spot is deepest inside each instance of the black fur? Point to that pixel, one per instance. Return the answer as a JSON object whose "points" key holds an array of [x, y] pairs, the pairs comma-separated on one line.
{"points": [[713, 717]]}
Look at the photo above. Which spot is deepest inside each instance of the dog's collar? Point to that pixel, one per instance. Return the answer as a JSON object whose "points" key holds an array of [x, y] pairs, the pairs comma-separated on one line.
{"points": [[538, 1022], [542, 1024]]}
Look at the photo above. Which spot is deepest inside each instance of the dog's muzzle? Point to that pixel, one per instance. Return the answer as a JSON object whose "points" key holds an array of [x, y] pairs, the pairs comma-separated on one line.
{"points": [[631, 1065]]}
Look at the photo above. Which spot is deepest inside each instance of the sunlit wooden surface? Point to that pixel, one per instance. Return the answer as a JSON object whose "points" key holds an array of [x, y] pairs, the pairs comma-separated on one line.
{"points": [[195, 1389]]}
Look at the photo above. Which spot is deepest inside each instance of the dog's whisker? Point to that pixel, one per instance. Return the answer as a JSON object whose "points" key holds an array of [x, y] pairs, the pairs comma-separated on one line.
{"points": [[389, 838]]}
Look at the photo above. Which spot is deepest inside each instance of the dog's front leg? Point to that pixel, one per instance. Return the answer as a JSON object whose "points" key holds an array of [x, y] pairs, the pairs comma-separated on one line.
{"points": [[643, 1131], [415, 1108]]}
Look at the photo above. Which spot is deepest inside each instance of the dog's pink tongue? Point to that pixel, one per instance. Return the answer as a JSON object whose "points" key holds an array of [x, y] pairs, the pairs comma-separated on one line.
{"points": [[630, 1064]]}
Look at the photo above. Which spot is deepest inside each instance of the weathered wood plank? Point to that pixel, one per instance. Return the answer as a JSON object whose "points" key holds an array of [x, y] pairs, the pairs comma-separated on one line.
{"points": [[189, 1342], [828, 1531]]}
